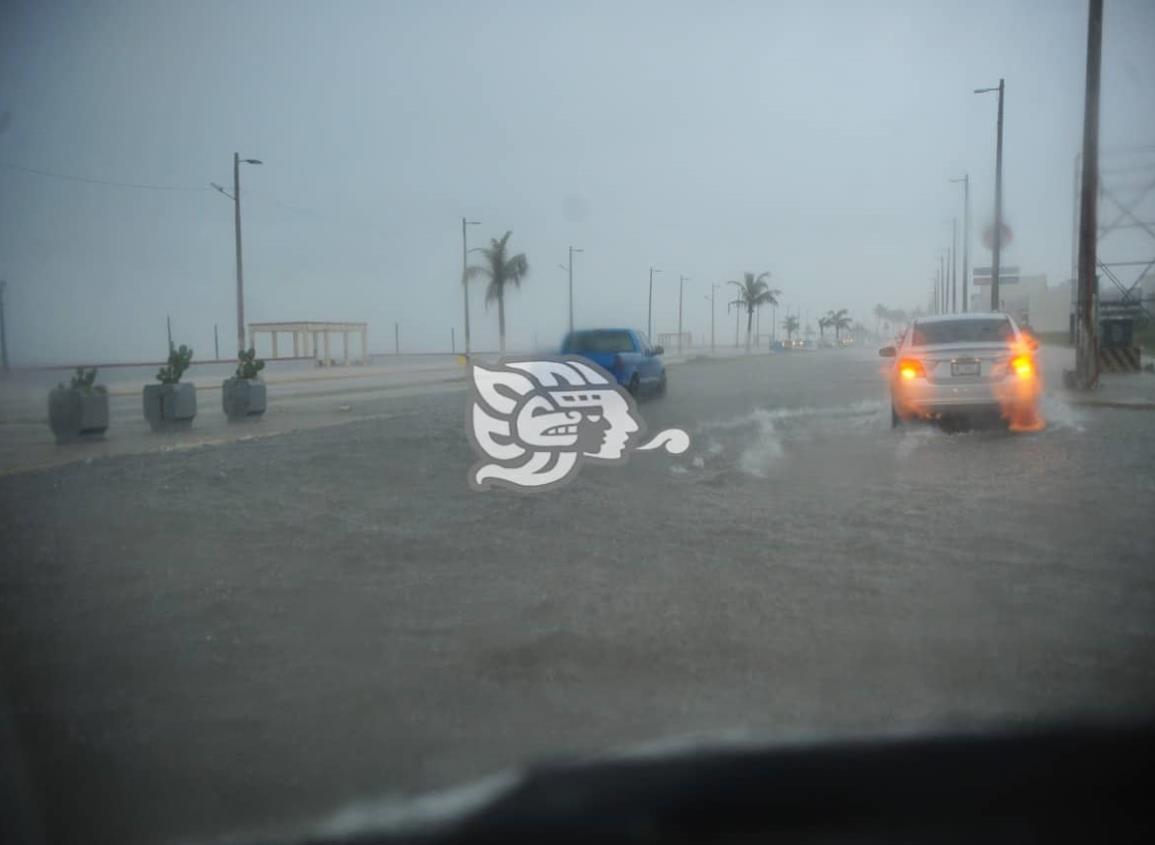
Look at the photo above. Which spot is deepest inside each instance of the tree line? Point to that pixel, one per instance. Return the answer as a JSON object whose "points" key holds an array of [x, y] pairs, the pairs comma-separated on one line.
{"points": [[500, 269]]}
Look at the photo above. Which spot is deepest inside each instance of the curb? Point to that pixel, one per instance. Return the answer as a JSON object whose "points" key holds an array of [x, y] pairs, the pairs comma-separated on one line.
{"points": [[1111, 403]]}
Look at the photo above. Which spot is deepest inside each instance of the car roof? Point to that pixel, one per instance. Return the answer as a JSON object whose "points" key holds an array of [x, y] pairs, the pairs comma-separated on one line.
{"points": [[970, 315], [592, 331]]}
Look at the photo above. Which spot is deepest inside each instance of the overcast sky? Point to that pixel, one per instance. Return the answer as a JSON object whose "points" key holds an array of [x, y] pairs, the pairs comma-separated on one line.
{"points": [[813, 140]]}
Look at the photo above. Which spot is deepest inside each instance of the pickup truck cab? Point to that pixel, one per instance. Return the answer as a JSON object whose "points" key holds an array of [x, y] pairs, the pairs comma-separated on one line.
{"points": [[626, 354]]}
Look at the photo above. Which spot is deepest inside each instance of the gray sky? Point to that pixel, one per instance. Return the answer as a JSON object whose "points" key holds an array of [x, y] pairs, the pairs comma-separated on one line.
{"points": [[812, 140]]}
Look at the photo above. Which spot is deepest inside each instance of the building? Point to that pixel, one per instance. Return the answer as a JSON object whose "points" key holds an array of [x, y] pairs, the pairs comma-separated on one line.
{"points": [[1032, 301]]}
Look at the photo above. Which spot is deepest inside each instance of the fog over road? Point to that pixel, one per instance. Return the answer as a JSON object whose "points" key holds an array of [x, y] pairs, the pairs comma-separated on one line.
{"points": [[285, 623]]}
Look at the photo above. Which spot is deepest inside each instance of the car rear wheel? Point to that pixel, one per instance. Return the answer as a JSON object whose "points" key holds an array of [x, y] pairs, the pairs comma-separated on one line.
{"points": [[634, 386], [895, 419], [661, 391]]}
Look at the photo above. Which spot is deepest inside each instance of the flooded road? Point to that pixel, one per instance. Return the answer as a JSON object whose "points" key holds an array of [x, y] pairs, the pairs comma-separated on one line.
{"points": [[257, 633]]}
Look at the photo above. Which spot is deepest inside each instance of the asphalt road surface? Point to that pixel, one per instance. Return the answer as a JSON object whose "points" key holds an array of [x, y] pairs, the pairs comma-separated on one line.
{"points": [[259, 633]]}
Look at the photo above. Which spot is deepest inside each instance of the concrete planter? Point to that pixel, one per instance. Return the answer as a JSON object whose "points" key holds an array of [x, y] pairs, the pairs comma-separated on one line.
{"points": [[243, 398], [169, 407], [78, 414]]}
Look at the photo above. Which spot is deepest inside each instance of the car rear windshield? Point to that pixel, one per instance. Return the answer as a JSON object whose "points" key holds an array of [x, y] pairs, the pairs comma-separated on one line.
{"points": [[995, 330], [601, 342]]}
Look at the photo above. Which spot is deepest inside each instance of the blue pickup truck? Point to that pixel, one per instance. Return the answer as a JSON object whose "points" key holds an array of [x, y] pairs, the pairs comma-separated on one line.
{"points": [[624, 353]]}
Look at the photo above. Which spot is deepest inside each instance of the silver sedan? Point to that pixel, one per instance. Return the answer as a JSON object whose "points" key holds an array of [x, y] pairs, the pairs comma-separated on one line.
{"points": [[965, 365]]}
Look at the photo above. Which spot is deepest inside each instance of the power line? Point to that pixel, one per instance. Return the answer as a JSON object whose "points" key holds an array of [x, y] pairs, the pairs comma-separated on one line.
{"points": [[69, 178]]}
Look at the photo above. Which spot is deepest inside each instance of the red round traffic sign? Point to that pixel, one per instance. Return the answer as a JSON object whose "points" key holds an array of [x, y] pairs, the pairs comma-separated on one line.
{"points": [[989, 236]]}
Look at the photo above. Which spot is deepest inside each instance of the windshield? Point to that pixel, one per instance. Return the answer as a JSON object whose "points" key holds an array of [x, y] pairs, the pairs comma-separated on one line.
{"points": [[962, 331], [398, 394]]}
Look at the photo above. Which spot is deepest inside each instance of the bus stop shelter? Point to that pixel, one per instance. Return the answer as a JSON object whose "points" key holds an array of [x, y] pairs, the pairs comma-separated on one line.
{"points": [[313, 339]]}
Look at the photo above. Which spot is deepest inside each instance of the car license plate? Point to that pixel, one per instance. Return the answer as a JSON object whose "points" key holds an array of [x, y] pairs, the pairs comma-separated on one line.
{"points": [[964, 368]]}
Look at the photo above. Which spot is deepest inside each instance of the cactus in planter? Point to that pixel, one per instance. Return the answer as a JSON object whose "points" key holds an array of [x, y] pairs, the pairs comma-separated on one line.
{"points": [[178, 362], [79, 411], [171, 404], [243, 395], [248, 364], [83, 380]]}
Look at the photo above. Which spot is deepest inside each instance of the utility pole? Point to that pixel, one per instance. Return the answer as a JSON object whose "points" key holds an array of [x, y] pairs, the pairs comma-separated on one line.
{"points": [[465, 275], [681, 284], [966, 238], [216, 343], [168, 326], [3, 328], [452, 340], [650, 318], [569, 267], [396, 338], [1087, 348]]}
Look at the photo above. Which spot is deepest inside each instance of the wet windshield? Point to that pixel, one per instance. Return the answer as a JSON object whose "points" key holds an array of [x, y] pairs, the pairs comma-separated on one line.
{"points": [[601, 342], [307, 503]]}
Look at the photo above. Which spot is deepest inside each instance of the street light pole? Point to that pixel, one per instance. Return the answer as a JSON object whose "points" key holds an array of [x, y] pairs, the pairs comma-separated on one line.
{"points": [[570, 268], [650, 317], [713, 290], [465, 275], [997, 239], [681, 285], [944, 288], [237, 161], [235, 196], [3, 329], [240, 266], [954, 265], [966, 238]]}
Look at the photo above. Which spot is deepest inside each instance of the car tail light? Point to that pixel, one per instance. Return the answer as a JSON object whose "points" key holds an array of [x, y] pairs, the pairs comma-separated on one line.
{"points": [[909, 368], [1023, 366]]}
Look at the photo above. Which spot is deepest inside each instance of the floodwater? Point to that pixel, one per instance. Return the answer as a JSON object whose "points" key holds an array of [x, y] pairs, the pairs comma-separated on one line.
{"points": [[256, 634]]}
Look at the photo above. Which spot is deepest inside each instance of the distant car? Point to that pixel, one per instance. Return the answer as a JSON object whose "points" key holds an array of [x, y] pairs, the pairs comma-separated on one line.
{"points": [[625, 353], [964, 365]]}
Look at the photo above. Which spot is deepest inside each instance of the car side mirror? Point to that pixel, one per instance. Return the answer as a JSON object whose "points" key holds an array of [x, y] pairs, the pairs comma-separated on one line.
{"points": [[659, 349], [887, 352]]}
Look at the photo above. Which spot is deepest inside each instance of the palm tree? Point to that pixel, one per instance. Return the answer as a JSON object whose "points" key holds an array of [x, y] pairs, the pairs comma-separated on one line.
{"points": [[753, 293], [790, 324], [838, 320], [880, 313], [823, 322], [501, 270]]}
